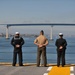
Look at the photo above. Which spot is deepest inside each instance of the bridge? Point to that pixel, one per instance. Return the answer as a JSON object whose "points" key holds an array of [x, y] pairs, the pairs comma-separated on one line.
{"points": [[37, 24]]}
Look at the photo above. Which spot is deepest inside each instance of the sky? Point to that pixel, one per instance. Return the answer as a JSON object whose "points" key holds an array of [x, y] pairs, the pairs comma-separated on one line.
{"points": [[37, 11]]}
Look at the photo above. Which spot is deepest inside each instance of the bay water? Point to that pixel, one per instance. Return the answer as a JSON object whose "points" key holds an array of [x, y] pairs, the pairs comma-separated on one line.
{"points": [[30, 50]]}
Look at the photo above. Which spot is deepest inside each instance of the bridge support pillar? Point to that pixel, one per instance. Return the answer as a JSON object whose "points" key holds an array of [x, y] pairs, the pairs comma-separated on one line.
{"points": [[51, 33], [7, 34]]}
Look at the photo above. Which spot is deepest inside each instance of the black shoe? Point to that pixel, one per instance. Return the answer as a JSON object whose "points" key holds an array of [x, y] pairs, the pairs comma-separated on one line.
{"points": [[13, 65], [62, 65], [45, 66], [57, 65], [21, 65], [37, 65]]}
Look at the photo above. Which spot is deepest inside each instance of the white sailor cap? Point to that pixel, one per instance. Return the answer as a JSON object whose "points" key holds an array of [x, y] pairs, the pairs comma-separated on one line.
{"points": [[60, 34], [17, 33]]}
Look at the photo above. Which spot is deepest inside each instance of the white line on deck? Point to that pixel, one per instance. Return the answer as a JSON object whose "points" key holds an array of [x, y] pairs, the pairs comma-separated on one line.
{"points": [[49, 68], [71, 74], [45, 74], [72, 70]]}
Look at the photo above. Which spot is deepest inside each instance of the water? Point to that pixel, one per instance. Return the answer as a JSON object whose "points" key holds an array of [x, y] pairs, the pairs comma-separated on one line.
{"points": [[30, 50]]}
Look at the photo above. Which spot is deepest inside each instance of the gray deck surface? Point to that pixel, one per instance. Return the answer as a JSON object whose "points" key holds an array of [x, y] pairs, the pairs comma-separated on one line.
{"points": [[23, 70]]}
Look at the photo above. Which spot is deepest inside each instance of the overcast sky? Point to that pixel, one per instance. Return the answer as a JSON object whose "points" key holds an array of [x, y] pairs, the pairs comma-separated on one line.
{"points": [[37, 11]]}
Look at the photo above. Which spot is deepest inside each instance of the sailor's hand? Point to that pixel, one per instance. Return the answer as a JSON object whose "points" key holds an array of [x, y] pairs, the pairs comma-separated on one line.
{"points": [[60, 47], [17, 46]]}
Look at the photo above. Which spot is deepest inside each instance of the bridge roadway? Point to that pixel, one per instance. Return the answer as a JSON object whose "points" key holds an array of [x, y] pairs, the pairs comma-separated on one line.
{"points": [[8, 69], [37, 24]]}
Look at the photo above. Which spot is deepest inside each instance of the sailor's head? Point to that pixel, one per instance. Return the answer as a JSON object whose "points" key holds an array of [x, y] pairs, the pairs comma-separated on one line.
{"points": [[61, 34], [17, 33]]}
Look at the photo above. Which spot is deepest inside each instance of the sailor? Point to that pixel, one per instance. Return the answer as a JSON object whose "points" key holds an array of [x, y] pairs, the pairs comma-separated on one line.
{"points": [[17, 43], [61, 47]]}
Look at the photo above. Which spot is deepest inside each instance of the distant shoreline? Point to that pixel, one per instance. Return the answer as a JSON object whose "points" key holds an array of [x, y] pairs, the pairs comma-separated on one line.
{"points": [[34, 35], [23, 35]]}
